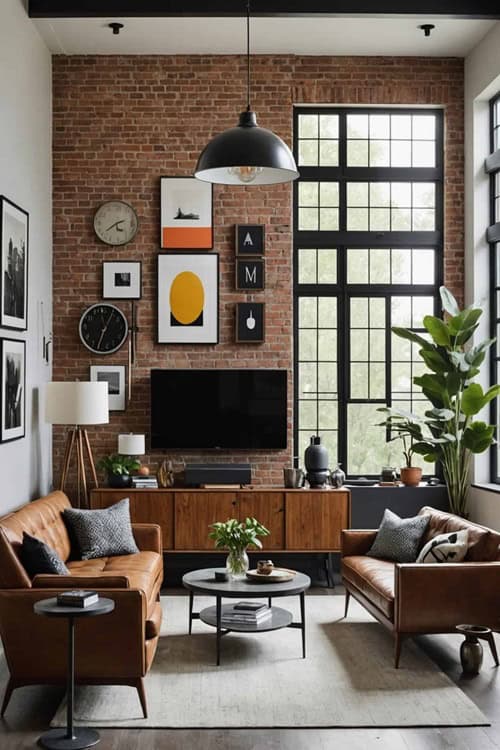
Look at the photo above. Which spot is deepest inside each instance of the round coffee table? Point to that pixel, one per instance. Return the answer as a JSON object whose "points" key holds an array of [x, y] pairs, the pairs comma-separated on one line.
{"points": [[203, 582], [70, 738]]}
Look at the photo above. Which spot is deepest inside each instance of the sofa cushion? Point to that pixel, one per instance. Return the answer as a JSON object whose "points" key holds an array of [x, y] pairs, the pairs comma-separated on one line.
{"points": [[483, 543], [103, 532], [37, 557], [374, 578], [445, 548], [398, 539]]}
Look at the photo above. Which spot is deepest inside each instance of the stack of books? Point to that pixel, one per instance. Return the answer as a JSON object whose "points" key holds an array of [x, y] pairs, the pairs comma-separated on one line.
{"points": [[77, 598], [251, 613], [140, 482]]}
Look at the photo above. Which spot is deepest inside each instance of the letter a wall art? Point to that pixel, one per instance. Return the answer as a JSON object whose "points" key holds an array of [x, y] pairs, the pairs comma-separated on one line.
{"points": [[188, 298]]}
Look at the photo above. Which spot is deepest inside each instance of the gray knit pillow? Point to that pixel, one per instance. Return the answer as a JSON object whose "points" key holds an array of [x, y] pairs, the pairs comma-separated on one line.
{"points": [[399, 538], [102, 533]]}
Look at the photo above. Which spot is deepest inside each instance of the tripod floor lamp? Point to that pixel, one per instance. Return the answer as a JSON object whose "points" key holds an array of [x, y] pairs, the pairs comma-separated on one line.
{"points": [[77, 404]]}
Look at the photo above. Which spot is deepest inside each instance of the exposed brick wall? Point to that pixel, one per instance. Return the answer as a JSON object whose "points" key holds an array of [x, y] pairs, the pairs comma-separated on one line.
{"points": [[121, 122]]}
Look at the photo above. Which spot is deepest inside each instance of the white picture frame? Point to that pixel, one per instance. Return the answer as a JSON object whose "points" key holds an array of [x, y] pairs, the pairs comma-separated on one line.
{"points": [[115, 376], [186, 214], [121, 279]]}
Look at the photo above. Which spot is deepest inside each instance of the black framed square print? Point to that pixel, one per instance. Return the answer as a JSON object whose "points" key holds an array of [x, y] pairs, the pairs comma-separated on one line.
{"points": [[249, 239], [13, 265], [13, 389], [250, 274], [250, 322]]}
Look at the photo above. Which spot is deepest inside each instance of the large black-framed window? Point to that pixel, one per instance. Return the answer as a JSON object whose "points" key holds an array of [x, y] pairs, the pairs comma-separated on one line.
{"points": [[492, 165], [368, 255]]}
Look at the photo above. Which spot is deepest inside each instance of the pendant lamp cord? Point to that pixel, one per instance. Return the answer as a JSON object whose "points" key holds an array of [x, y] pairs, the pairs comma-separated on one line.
{"points": [[248, 56]]}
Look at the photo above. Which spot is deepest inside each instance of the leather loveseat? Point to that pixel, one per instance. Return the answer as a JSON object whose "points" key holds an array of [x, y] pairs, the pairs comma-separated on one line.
{"points": [[416, 598], [117, 648]]}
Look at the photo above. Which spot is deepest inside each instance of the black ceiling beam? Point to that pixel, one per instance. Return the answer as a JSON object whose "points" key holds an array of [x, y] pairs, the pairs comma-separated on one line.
{"points": [[473, 9]]}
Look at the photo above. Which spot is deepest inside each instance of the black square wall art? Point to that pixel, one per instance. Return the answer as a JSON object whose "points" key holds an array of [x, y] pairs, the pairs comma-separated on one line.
{"points": [[250, 322], [249, 239], [250, 273]]}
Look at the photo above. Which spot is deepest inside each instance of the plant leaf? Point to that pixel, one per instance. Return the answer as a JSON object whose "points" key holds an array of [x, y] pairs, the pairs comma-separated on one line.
{"points": [[448, 301], [438, 330], [406, 333]]}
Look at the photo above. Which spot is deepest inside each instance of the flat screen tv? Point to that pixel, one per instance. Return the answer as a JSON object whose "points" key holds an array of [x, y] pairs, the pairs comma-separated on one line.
{"points": [[218, 409]]}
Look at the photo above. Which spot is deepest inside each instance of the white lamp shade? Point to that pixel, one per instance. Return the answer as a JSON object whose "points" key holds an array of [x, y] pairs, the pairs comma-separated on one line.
{"points": [[131, 445], [77, 403]]}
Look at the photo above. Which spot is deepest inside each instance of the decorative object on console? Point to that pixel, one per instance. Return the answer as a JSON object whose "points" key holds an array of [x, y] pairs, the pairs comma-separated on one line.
{"points": [[13, 387], [38, 558], [445, 548], [246, 154], [337, 477], [186, 214], [102, 533], [250, 274], [249, 239], [236, 536], [118, 468], [398, 538], [103, 328], [77, 404], [114, 376], [188, 298], [250, 322], [165, 474], [121, 280], [316, 463], [293, 478], [115, 223], [407, 428], [14, 230]]}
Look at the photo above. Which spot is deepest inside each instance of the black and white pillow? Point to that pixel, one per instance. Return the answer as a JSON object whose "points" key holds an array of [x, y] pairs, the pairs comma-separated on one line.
{"points": [[38, 558], [102, 533], [445, 548], [398, 538]]}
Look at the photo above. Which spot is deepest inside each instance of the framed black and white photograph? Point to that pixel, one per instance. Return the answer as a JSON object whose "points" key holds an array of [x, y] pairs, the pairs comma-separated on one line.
{"points": [[13, 383], [114, 376], [186, 214], [250, 274], [121, 280], [14, 223], [250, 323], [188, 298], [249, 239]]}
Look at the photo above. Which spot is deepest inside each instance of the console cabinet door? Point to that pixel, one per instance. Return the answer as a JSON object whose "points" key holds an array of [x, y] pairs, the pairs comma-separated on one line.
{"points": [[315, 519], [268, 508], [145, 507], [195, 511]]}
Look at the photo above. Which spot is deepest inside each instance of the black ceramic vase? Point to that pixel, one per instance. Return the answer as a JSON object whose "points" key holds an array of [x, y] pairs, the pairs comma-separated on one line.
{"points": [[119, 481], [316, 463]]}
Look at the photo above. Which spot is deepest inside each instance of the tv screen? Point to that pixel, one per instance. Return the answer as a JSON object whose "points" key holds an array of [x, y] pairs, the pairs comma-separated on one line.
{"points": [[218, 409]]}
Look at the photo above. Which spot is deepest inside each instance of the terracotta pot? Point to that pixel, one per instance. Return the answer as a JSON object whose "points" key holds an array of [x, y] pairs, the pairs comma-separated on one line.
{"points": [[411, 476]]}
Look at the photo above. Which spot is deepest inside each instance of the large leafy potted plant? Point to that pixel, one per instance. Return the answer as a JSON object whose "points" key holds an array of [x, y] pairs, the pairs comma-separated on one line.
{"points": [[118, 469], [406, 427], [236, 536], [454, 362]]}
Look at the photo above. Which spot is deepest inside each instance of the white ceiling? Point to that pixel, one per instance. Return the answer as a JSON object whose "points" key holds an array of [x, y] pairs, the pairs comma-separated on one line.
{"points": [[301, 36]]}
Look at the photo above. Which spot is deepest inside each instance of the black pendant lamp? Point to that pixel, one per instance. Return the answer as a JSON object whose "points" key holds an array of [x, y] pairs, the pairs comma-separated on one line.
{"points": [[246, 154]]}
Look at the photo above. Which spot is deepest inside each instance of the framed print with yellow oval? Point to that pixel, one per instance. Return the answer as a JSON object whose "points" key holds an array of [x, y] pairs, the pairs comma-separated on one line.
{"points": [[188, 298]]}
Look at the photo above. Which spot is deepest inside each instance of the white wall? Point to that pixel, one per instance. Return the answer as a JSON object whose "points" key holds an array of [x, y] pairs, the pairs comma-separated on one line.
{"points": [[482, 81], [25, 178]]}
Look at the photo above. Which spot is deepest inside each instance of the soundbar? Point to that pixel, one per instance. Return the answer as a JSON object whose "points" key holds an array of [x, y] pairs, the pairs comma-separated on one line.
{"points": [[201, 474]]}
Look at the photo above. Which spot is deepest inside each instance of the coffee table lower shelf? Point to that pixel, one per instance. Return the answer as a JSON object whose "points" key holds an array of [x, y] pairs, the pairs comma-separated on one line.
{"points": [[280, 618]]}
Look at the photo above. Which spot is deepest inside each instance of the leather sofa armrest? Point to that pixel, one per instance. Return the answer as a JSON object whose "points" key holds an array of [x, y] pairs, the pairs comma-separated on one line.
{"points": [[438, 596], [147, 537], [356, 542], [103, 581]]}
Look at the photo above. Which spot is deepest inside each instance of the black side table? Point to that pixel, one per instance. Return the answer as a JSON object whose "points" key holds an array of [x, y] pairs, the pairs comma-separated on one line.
{"points": [[71, 738]]}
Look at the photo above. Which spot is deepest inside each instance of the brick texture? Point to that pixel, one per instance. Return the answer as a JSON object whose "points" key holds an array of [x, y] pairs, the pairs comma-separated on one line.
{"points": [[121, 122]]}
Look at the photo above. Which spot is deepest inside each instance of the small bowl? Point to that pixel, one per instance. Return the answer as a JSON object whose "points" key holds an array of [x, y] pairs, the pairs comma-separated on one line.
{"points": [[265, 567]]}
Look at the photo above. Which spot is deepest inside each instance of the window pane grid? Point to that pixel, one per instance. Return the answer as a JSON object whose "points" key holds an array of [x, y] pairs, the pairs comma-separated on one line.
{"points": [[391, 206], [413, 266], [318, 142], [381, 140]]}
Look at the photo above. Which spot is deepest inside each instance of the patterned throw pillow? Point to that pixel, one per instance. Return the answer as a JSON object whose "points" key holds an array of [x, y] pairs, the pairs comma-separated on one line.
{"points": [[444, 548], [102, 533], [398, 538], [37, 557]]}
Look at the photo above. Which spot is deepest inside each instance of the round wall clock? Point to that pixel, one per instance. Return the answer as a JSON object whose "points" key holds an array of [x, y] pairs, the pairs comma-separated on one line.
{"points": [[103, 328], [115, 223]]}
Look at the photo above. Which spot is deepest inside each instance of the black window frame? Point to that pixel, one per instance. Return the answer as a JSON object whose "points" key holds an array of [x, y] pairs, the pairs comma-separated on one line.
{"points": [[343, 239], [492, 167]]}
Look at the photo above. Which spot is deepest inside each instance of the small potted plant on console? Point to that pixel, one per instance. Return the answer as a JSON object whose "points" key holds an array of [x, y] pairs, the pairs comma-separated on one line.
{"points": [[407, 428], [118, 469], [236, 536]]}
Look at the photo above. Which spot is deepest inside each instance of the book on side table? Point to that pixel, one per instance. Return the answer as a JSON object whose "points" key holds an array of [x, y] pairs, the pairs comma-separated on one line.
{"points": [[77, 598], [246, 612]]}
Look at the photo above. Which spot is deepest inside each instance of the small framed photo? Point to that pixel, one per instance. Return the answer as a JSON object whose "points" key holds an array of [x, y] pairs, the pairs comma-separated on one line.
{"points": [[114, 376], [121, 280], [250, 322], [250, 274], [13, 383], [13, 265], [188, 298], [186, 214], [249, 239]]}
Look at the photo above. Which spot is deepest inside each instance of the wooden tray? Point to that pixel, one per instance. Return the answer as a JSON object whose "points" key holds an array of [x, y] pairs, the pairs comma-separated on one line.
{"points": [[277, 575]]}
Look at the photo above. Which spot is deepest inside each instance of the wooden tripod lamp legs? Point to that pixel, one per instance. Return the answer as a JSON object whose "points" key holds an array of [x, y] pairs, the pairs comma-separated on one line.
{"points": [[77, 438]]}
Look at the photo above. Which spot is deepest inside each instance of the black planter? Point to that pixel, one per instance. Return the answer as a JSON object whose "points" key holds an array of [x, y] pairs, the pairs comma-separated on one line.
{"points": [[316, 463], [119, 481]]}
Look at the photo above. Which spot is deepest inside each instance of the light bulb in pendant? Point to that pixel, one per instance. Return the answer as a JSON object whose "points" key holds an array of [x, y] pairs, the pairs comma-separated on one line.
{"points": [[245, 174]]}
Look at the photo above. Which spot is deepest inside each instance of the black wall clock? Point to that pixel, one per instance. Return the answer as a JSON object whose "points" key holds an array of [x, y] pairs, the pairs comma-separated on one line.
{"points": [[103, 328]]}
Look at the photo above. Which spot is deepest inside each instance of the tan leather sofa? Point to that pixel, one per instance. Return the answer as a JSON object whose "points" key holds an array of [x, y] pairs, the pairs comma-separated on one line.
{"points": [[117, 648], [415, 598]]}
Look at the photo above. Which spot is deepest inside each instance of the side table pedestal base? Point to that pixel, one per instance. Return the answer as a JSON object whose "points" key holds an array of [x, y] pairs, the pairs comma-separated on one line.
{"points": [[57, 739]]}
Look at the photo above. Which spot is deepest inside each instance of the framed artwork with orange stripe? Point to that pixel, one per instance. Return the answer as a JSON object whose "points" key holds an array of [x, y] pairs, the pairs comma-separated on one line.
{"points": [[188, 298], [186, 214]]}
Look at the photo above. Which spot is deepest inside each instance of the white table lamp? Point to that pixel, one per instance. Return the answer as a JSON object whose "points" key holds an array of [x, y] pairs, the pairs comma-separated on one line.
{"points": [[131, 445]]}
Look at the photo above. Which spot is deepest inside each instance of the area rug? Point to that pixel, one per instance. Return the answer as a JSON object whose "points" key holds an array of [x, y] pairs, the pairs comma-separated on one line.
{"points": [[347, 679]]}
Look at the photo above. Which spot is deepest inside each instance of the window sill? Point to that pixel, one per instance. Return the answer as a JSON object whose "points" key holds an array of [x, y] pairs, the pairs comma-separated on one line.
{"points": [[487, 486]]}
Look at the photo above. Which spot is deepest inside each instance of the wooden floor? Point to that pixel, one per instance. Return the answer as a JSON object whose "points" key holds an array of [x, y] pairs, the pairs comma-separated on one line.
{"points": [[31, 710]]}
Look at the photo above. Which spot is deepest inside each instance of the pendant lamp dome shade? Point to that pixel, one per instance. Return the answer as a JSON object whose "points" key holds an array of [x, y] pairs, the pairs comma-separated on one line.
{"points": [[246, 154]]}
